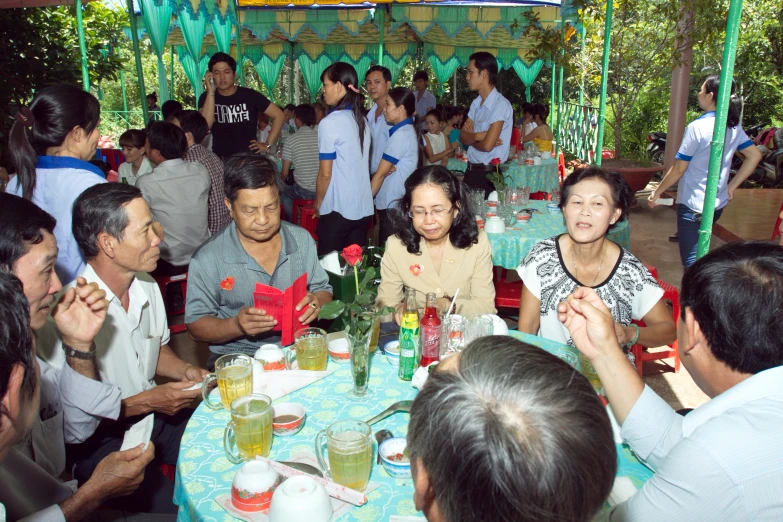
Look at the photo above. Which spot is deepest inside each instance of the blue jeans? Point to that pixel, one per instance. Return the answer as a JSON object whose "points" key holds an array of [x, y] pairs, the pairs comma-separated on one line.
{"points": [[688, 223], [289, 194]]}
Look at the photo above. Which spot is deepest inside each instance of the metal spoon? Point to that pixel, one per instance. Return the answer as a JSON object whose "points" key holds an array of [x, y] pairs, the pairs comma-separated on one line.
{"points": [[306, 468], [397, 406]]}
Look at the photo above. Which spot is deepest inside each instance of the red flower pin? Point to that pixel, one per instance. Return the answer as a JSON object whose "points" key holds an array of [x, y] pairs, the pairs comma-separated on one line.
{"points": [[227, 283], [416, 269], [352, 254], [495, 161]]}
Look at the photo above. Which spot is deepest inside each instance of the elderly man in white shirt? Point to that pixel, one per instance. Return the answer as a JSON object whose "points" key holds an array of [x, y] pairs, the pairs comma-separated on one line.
{"points": [[724, 459], [113, 226], [73, 400]]}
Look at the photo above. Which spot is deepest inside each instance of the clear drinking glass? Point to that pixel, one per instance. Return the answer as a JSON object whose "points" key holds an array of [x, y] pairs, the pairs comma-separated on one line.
{"points": [[477, 327], [525, 195], [451, 335], [349, 449], [556, 195]]}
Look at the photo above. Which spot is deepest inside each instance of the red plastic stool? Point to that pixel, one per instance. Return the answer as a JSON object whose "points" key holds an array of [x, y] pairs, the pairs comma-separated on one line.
{"points": [[539, 196], [652, 270], [163, 282], [308, 220], [508, 294], [561, 166], [299, 206], [671, 293]]}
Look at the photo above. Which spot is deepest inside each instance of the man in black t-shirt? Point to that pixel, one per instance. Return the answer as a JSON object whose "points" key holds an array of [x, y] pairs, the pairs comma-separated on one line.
{"points": [[232, 111]]}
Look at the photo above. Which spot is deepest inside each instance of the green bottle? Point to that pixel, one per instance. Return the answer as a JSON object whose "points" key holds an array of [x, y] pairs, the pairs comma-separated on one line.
{"points": [[124, 180], [409, 337]]}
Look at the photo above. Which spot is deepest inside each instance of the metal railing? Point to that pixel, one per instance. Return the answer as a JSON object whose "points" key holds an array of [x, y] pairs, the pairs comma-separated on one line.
{"points": [[579, 130], [114, 123]]}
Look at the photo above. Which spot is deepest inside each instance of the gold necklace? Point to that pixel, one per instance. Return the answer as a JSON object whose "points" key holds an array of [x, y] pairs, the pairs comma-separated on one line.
{"points": [[576, 267]]}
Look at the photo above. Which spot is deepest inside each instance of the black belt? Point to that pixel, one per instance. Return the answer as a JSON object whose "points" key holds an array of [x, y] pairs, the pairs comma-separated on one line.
{"points": [[480, 167]]}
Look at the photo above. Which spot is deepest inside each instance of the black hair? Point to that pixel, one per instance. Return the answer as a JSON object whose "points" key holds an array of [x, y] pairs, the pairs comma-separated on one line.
{"points": [[169, 109], [290, 107], [486, 62], [154, 97], [463, 232], [712, 83], [248, 171], [402, 96], [222, 57], [451, 111], [23, 223], [541, 110], [622, 195], [168, 139], [133, 138], [344, 73], [16, 340], [736, 295], [421, 75], [101, 208], [56, 111], [386, 73], [435, 114], [528, 108], [193, 122], [305, 113], [465, 115]]}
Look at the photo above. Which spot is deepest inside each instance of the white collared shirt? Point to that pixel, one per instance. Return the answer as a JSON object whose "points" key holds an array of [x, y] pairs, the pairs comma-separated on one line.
{"points": [[379, 130], [129, 342], [495, 108], [722, 461]]}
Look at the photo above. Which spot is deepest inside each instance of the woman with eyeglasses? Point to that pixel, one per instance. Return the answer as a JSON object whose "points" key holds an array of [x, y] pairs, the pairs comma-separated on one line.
{"points": [[437, 247]]}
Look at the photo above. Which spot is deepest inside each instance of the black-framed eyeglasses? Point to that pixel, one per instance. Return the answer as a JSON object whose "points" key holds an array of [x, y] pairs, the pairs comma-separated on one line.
{"points": [[436, 213]]}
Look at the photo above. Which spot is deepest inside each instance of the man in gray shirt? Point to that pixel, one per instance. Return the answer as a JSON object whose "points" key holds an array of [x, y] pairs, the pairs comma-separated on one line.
{"points": [[301, 149], [724, 459], [177, 192], [255, 247]]}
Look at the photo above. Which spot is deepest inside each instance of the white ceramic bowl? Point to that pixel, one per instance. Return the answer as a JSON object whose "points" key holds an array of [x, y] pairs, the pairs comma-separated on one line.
{"points": [[291, 427], [494, 225], [271, 357], [387, 450], [253, 486], [338, 350], [300, 498], [554, 208], [392, 349]]}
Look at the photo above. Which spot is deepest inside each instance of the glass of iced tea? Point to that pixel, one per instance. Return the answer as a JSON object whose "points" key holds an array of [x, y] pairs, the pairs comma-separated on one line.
{"points": [[234, 375], [349, 449], [310, 347], [249, 434]]}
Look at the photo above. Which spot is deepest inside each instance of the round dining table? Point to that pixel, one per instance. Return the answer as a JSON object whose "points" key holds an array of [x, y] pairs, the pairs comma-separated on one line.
{"points": [[204, 472], [538, 178], [510, 248]]}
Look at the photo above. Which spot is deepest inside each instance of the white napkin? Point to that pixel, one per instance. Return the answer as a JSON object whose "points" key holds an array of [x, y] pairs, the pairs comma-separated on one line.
{"points": [[139, 433], [618, 439], [420, 376], [331, 263], [280, 383], [399, 518], [622, 490]]}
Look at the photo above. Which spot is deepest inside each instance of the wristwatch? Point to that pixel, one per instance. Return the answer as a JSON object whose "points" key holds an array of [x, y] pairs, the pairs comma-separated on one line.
{"points": [[78, 354]]}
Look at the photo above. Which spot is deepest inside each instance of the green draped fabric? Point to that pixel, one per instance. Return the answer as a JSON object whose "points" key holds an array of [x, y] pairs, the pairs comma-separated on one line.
{"points": [[395, 66], [194, 70], [157, 19], [311, 71], [268, 69], [193, 28], [528, 74], [361, 66], [222, 33], [443, 71]]}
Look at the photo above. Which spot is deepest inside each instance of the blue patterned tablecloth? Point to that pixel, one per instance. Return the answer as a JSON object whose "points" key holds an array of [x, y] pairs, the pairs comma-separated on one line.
{"points": [[204, 473], [539, 178], [511, 247]]}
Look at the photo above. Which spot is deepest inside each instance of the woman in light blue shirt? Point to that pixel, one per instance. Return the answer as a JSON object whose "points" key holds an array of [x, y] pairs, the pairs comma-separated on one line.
{"points": [[401, 156], [50, 145], [692, 163], [343, 198]]}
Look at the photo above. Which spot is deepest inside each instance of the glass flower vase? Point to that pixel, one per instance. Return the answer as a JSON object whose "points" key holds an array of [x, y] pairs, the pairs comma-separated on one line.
{"points": [[359, 346]]}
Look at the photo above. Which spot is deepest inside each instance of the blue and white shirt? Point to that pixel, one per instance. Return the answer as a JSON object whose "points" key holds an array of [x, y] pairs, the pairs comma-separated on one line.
{"points": [[402, 151], [349, 193], [424, 105], [380, 137], [695, 149], [495, 108], [59, 181]]}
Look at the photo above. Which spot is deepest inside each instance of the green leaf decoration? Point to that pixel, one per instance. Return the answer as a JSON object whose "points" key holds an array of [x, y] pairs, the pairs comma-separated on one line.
{"points": [[331, 310], [369, 275]]}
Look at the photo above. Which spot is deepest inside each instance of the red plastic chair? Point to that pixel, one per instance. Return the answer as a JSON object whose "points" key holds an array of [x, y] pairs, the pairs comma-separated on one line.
{"points": [[516, 137], [652, 269], [299, 206], [671, 293], [163, 282], [540, 196], [776, 230], [114, 157], [308, 220], [507, 293], [561, 166]]}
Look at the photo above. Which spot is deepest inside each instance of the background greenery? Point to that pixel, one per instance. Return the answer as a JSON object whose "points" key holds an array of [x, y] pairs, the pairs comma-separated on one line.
{"points": [[40, 47]]}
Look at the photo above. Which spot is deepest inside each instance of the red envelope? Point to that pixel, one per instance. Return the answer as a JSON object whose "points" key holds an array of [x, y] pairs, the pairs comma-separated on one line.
{"points": [[282, 306]]}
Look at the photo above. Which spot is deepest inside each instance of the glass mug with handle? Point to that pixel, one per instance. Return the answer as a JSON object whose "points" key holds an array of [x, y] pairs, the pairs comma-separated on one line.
{"points": [[234, 375], [349, 447], [249, 434], [309, 350]]}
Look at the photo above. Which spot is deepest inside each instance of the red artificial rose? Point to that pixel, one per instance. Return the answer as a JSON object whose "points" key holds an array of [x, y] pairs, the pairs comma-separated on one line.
{"points": [[227, 283], [495, 161], [416, 269], [352, 254]]}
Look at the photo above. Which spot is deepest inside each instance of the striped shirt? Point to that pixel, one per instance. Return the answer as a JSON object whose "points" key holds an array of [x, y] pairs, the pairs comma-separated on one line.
{"points": [[301, 149], [217, 213]]}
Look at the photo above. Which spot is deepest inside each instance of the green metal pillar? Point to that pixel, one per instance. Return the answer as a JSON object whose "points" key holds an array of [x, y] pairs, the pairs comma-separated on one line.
{"points": [[552, 95], [582, 34], [719, 131], [124, 100], [380, 16], [171, 66], [137, 55], [240, 59], [560, 92], [599, 142], [291, 79], [82, 45]]}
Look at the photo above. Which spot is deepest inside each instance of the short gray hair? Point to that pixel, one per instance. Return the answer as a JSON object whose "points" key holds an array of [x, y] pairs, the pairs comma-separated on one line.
{"points": [[513, 434]]}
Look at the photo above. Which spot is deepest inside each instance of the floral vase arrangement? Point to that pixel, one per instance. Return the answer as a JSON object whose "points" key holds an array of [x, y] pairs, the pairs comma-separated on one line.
{"points": [[498, 180]]}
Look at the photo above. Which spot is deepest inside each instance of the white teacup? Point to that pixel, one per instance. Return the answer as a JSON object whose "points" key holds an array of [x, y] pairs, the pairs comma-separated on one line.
{"points": [[254, 485], [300, 498], [271, 357]]}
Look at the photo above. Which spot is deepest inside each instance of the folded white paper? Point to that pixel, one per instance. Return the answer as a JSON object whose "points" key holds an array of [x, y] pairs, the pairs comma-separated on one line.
{"points": [[331, 263], [139, 433], [622, 490], [280, 383]]}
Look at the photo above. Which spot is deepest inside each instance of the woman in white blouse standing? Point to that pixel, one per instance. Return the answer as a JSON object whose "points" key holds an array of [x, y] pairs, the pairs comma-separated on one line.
{"points": [[593, 201]]}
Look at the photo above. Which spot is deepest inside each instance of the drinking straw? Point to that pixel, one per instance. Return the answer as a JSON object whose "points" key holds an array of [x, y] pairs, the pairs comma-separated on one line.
{"points": [[448, 313]]}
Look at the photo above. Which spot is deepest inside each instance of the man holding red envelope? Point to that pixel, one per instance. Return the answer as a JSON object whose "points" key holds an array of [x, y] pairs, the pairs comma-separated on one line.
{"points": [[258, 280]]}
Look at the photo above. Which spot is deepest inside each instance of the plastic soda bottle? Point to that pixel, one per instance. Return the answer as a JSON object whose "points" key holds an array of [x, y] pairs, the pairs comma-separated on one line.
{"points": [[409, 337], [430, 332]]}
